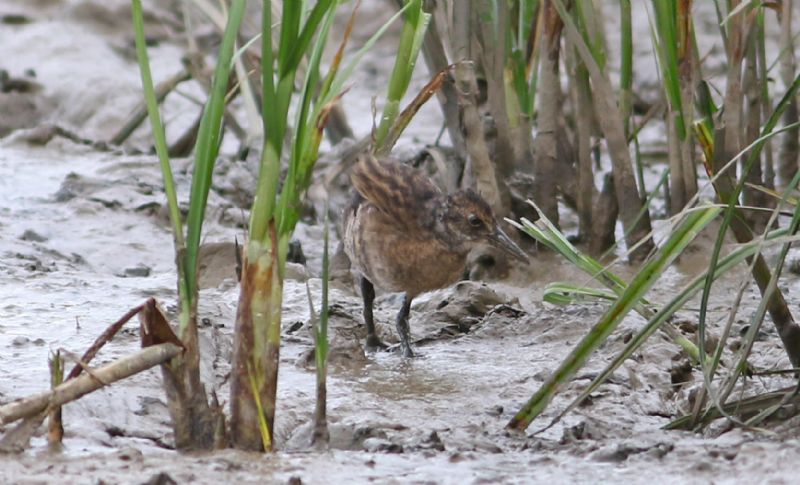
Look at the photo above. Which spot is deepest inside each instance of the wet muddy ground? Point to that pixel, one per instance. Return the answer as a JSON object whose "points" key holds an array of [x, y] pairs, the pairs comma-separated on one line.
{"points": [[85, 238]]}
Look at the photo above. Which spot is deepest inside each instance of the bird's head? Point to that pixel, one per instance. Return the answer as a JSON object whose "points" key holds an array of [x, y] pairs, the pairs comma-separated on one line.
{"points": [[467, 221]]}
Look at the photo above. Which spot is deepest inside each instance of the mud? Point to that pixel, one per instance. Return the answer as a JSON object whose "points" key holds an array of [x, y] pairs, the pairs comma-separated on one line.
{"points": [[86, 238]]}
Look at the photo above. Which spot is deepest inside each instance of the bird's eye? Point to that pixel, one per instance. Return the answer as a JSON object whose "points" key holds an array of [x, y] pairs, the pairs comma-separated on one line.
{"points": [[474, 220]]}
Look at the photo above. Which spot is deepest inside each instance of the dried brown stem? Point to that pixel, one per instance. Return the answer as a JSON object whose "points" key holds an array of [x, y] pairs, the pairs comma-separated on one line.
{"points": [[193, 421], [790, 140], [183, 146], [80, 386], [480, 168], [256, 357], [100, 341], [436, 59], [777, 307], [509, 148], [549, 95], [752, 88], [611, 123], [140, 113], [404, 118], [586, 192]]}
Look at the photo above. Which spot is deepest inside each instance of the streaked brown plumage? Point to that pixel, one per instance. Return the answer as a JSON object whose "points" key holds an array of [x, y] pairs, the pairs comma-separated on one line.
{"points": [[403, 234]]}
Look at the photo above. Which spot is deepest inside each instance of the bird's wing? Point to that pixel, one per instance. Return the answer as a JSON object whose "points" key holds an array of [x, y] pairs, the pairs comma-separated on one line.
{"points": [[397, 190]]}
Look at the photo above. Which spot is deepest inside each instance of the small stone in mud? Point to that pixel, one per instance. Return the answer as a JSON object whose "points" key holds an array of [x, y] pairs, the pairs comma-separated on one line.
{"points": [[373, 445], [681, 373], [295, 254], [661, 450], [702, 466], [296, 272], [760, 335], [129, 453], [20, 341], [433, 442], [15, 19], [295, 480], [161, 478], [294, 326], [794, 265], [33, 236], [496, 410], [581, 431], [686, 325], [35, 265], [138, 271], [613, 454], [456, 457]]}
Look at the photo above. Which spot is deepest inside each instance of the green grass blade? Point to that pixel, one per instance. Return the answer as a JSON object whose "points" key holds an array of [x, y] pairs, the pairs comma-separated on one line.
{"points": [[344, 74], [666, 17], [694, 222], [301, 161], [208, 140], [158, 128], [731, 199], [559, 293], [300, 46], [270, 165], [263, 426], [758, 317], [291, 15], [411, 37], [267, 71], [322, 328], [730, 261]]}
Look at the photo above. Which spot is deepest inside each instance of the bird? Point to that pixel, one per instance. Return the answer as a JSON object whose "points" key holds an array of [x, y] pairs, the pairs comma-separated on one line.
{"points": [[403, 234]]}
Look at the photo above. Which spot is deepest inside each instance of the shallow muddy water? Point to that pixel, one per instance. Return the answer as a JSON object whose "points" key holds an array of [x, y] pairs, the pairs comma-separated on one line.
{"points": [[85, 239]]}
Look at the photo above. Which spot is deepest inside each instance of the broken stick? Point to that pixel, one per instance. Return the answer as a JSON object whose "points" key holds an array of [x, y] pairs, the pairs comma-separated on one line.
{"points": [[80, 386]]}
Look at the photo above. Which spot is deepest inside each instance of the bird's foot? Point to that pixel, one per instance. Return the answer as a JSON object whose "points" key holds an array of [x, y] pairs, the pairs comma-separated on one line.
{"points": [[406, 350], [374, 344]]}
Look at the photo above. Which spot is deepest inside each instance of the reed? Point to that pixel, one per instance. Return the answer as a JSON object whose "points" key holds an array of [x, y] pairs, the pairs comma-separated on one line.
{"points": [[192, 417]]}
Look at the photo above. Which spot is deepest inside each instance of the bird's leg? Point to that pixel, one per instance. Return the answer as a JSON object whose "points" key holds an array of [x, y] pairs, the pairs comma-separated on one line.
{"points": [[402, 327], [368, 293]]}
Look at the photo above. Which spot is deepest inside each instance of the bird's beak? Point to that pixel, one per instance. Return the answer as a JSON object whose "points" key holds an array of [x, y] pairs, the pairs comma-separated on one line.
{"points": [[501, 240]]}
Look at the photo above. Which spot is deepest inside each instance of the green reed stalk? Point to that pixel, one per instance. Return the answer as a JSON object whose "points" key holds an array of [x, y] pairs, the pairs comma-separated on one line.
{"points": [[160, 140], [666, 30], [523, 60], [276, 208], [273, 217], [193, 421], [321, 434], [55, 425], [411, 38]]}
